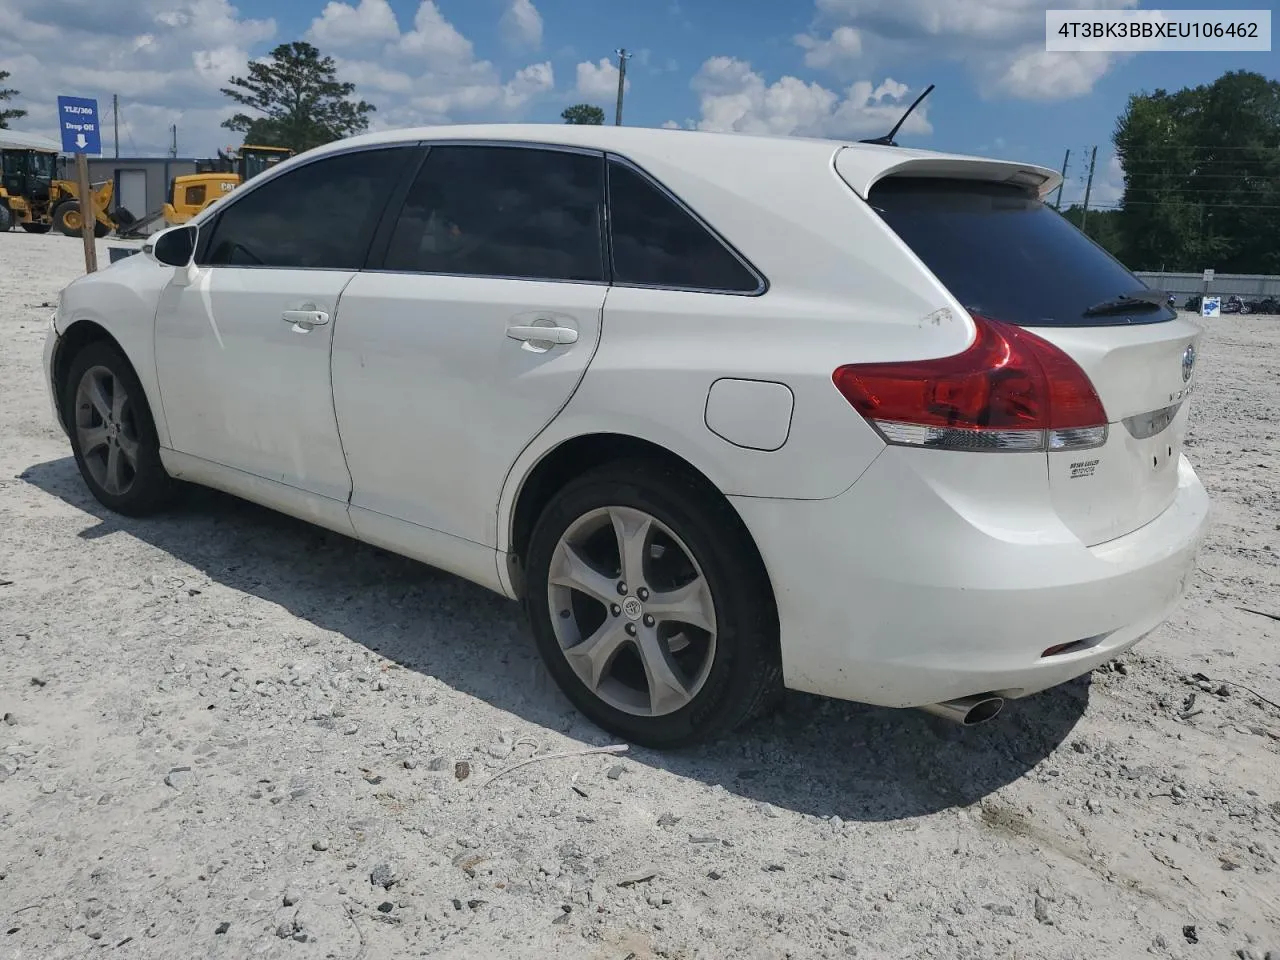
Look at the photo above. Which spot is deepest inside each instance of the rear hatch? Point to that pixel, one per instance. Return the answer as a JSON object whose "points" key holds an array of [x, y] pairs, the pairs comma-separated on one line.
{"points": [[1004, 254]]}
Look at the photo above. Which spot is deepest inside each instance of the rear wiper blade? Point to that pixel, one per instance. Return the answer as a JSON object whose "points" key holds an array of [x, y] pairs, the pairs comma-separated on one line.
{"points": [[1126, 301]]}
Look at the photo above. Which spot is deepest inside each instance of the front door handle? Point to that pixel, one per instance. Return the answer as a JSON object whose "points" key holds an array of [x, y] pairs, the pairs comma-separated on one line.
{"points": [[536, 334], [303, 320]]}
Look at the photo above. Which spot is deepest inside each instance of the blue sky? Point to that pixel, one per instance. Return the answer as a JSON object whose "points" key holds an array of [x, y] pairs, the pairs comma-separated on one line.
{"points": [[841, 68]]}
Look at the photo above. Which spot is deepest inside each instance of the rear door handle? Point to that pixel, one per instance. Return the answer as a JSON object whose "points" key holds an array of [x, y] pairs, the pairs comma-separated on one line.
{"points": [[310, 318], [536, 334]]}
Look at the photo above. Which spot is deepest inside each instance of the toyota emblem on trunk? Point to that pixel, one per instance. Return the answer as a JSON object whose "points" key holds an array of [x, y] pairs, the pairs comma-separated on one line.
{"points": [[1188, 362]]}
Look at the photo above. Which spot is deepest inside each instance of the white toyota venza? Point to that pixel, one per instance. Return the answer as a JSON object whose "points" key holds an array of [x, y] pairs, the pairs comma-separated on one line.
{"points": [[727, 414]]}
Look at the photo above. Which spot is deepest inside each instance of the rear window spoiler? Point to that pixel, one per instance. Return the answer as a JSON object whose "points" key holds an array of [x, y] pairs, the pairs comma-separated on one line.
{"points": [[862, 167]]}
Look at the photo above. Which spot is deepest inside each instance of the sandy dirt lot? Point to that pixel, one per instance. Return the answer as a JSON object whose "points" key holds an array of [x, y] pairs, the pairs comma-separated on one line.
{"points": [[228, 734]]}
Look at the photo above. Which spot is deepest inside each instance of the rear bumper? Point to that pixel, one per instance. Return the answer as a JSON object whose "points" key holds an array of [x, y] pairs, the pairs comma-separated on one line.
{"points": [[906, 590]]}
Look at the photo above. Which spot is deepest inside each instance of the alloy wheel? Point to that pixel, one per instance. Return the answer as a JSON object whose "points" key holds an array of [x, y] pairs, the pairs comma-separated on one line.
{"points": [[107, 430], [632, 611]]}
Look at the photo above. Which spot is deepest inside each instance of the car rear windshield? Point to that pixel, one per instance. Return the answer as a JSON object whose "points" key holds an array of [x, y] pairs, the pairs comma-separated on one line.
{"points": [[1006, 255]]}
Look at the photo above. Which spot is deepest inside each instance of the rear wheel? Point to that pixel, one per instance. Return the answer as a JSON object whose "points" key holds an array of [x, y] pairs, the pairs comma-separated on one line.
{"points": [[36, 227], [650, 606], [6, 218], [113, 435]]}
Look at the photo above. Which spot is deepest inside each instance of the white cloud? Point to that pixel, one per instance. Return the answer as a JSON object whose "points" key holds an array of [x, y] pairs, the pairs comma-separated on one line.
{"points": [[1110, 188], [1001, 41], [835, 53], [533, 81], [521, 25], [734, 97], [598, 81], [168, 59], [341, 26], [1036, 74], [671, 125], [434, 36]]}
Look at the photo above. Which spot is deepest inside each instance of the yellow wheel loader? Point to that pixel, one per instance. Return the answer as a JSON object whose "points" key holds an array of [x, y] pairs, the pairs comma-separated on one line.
{"points": [[215, 178], [35, 195]]}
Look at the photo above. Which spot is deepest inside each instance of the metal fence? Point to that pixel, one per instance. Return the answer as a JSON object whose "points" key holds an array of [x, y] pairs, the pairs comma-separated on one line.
{"points": [[1183, 285]]}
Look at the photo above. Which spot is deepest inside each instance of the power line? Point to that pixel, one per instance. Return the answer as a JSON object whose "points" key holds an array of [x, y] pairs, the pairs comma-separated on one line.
{"points": [[1190, 203], [1205, 146]]}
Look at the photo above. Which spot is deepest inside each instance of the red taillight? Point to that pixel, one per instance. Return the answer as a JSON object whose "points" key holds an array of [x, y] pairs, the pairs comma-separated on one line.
{"points": [[1009, 390]]}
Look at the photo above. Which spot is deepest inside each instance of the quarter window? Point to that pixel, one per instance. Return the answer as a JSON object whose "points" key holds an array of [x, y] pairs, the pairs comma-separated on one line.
{"points": [[318, 216], [658, 243], [517, 212]]}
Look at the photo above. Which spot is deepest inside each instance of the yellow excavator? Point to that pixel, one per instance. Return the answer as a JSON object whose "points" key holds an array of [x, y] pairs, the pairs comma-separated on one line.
{"points": [[35, 194], [215, 178]]}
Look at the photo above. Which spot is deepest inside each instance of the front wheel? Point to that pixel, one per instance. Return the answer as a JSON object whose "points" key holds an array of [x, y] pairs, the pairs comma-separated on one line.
{"points": [[112, 434], [36, 227], [650, 606], [67, 218]]}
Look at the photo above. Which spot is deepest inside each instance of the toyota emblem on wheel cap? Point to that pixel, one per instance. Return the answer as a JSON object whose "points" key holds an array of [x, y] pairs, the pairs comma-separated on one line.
{"points": [[1188, 362], [632, 608]]}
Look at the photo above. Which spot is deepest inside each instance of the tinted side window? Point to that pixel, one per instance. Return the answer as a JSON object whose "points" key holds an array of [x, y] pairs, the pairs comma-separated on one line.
{"points": [[319, 216], [503, 212], [657, 243]]}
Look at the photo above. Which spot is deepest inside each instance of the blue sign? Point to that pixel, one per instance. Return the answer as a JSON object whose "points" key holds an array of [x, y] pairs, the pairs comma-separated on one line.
{"points": [[1211, 307], [78, 118]]}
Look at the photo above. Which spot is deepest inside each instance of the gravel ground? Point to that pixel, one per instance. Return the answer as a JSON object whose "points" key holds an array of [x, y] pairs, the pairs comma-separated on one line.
{"points": [[229, 734]]}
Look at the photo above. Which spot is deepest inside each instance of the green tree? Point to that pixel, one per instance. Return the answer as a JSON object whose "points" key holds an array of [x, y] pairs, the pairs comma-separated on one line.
{"points": [[1202, 176], [299, 100], [583, 113], [5, 95]]}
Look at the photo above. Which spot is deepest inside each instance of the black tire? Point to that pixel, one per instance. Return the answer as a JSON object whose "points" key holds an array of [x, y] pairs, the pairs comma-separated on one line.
{"points": [[60, 214], [150, 488], [745, 676], [100, 229], [36, 227], [6, 218]]}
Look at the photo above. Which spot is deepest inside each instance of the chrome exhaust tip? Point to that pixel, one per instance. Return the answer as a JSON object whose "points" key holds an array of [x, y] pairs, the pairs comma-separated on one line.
{"points": [[968, 711]]}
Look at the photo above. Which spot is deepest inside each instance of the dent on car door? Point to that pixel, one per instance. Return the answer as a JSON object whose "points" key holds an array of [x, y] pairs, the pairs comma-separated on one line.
{"points": [[472, 336], [243, 351]]}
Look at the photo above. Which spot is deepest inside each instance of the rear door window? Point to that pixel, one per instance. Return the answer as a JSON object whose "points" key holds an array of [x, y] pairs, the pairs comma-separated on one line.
{"points": [[1006, 255], [657, 243], [509, 212]]}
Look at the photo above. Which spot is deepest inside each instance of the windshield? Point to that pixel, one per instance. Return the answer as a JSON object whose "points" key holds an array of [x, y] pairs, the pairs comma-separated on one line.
{"points": [[255, 163], [42, 165], [1008, 256]]}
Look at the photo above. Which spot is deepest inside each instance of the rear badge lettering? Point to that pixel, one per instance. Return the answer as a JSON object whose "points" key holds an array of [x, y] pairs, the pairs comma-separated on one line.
{"points": [[1083, 468]]}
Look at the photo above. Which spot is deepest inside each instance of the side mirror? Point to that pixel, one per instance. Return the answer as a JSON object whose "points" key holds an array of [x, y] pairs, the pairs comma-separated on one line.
{"points": [[175, 247]]}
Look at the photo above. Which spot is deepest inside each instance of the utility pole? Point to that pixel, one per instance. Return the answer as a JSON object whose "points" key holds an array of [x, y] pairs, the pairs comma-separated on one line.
{"points": [[1088, 187], [1057, 203], [173, 150], [115, 112], [623, 57]]}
